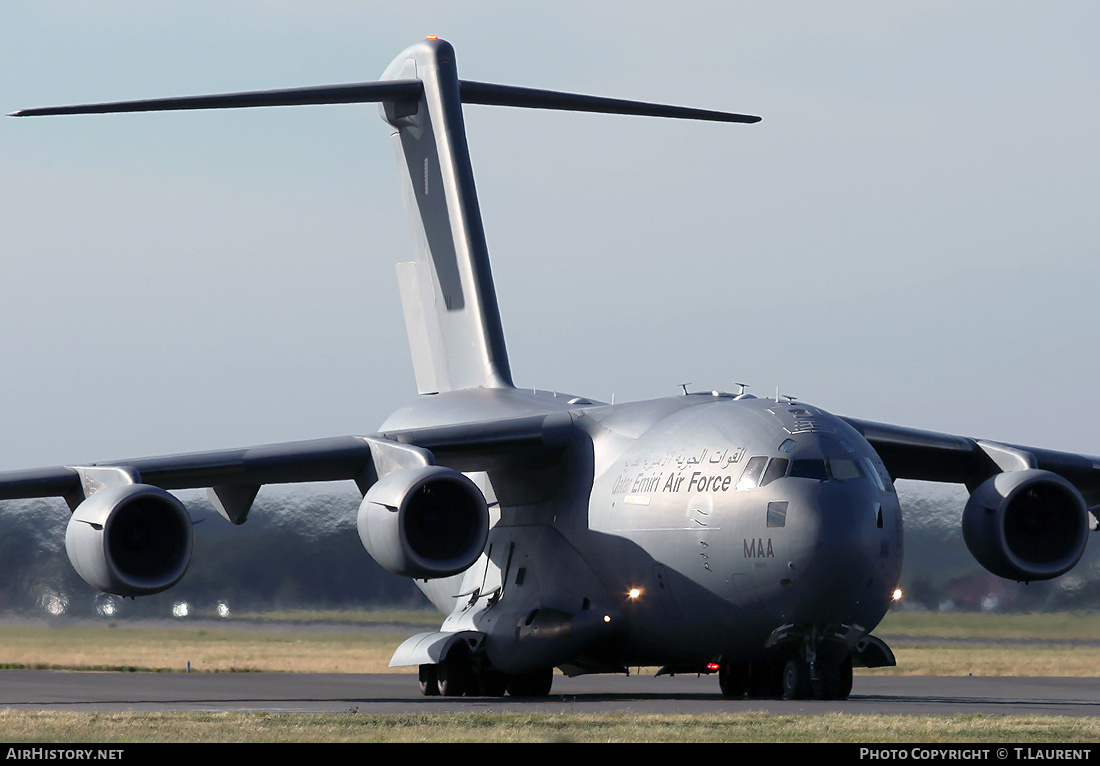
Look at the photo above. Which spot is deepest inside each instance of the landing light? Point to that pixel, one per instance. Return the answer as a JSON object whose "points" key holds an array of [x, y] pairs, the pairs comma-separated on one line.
{"points": [[634, 592], [897, 594]]}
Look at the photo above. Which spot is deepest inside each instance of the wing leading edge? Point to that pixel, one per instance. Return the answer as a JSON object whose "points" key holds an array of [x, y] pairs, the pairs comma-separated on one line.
{"points": [[911, 453]]}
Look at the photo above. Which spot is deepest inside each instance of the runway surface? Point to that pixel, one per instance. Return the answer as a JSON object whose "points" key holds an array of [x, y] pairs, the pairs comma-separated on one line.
{"points": [[397, 693]]}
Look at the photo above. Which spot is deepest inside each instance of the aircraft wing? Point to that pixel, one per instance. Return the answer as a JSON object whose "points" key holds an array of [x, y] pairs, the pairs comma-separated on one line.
{"points": [[523, 441], [420, 517], [318, 460], [235, 475], [910, 453]]}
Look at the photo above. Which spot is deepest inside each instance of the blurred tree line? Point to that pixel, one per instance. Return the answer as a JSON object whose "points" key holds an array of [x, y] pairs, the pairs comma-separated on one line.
{"points": [[300, 549]]}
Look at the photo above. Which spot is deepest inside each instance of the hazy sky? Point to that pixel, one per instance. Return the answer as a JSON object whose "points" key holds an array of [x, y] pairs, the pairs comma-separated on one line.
{"points": [[910, 235]]}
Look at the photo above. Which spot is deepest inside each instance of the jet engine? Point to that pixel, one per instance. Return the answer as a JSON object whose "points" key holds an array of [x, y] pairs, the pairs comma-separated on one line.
{"points": [[130, 540], [424, 522], [1026, 525]]}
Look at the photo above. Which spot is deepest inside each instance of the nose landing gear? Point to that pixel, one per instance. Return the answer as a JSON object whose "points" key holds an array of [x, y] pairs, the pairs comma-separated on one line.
{"points": [[797, 684], [834, 680], [795, 679]]}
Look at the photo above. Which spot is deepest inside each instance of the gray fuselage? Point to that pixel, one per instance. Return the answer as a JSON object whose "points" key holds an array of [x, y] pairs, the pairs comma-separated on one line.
{"points": [[674, 532]]}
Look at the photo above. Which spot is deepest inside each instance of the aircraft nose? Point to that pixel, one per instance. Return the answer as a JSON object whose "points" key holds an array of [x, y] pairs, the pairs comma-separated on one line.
{"points": [[844, 562]]}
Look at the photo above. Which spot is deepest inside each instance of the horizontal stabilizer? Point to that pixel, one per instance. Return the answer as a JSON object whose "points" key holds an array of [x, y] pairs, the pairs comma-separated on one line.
{"points": [[490, 94], [531, 98], [355, 93]]}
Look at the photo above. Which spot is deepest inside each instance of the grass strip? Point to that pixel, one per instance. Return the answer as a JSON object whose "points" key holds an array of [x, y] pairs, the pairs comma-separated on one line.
{"points": [[29, 727]]}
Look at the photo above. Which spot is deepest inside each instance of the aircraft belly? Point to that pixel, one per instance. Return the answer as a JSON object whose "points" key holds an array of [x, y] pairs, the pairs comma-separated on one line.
{"points": [[536, 600]]}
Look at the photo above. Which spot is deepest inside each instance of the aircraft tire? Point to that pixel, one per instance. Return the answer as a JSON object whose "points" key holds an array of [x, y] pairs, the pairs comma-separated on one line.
{"points": [[845, 689], [835, 682], [453, 676], [733, 680], [491, 683], [536, 683], [796, 679], [765, 680], [429, 681]]}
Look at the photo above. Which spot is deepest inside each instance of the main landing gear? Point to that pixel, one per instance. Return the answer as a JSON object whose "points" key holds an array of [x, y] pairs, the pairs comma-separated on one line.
{"points": [[792, 679], [460, 675]]}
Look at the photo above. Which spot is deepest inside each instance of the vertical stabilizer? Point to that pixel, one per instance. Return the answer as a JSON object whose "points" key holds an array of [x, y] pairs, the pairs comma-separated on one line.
{"points": [[450, 304]]}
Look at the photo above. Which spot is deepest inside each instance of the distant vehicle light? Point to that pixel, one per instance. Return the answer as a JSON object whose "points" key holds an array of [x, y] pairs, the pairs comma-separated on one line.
{"points": [[54, 603], [106, 606]]}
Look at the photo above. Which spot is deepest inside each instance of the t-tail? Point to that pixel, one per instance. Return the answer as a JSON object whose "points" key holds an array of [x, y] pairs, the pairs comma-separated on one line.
{"points": [[449, 301], [451, 312]]}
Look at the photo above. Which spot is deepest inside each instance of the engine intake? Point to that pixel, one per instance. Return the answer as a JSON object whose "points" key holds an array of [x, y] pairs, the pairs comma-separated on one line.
{"points": [[1026, 525], [424, 522], [131, 540]]}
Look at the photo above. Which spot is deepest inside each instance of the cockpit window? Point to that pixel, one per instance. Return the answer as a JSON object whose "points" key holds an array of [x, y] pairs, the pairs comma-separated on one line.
{"points": [[777, 469], [839, 469], [809, 469], [877, 471], [870, 470], [750, 479], [844, 469]]}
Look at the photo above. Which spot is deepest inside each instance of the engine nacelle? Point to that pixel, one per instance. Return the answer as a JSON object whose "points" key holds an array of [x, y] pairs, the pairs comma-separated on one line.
{"points": [[424, 522], [130, 540], [1026, 525]]}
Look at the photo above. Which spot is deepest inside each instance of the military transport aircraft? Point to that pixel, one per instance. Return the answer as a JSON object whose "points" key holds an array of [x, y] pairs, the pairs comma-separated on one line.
{"points": [[757, 539]]}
